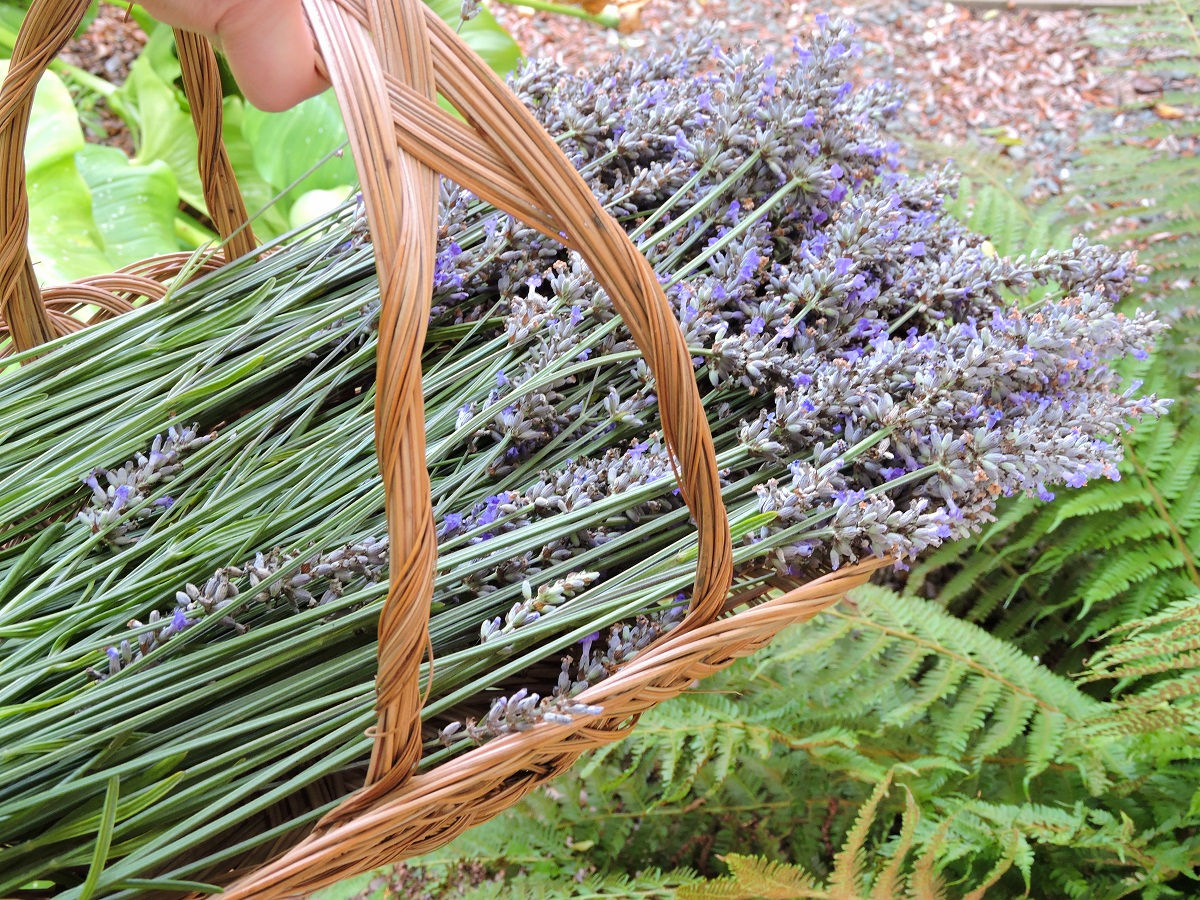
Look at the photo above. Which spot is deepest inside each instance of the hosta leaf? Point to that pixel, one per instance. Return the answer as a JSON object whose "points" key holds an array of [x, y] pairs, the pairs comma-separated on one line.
{"points": [[63, 239], [310, 131], [155, 111], [133, 205], [260, 198]]}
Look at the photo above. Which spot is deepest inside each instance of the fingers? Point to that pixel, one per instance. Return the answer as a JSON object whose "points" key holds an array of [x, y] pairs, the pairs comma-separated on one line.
{"points": [[188, 16], [267, 42], [270, 51]]}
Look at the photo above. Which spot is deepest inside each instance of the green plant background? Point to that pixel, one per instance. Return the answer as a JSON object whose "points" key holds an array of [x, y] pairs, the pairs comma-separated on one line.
{"points": [[93, 209]]}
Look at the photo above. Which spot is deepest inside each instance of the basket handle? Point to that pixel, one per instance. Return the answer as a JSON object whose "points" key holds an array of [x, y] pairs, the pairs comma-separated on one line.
{"points": [[46, 28], [387, 59]]}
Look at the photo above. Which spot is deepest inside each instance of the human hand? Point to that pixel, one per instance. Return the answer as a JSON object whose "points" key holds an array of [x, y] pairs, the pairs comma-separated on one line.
{"points": [[267, 42]]}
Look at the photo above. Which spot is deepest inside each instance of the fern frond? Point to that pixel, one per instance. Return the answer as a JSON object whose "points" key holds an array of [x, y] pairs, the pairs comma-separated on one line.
{"points": [[926, 883], [1043, 744], [1043, 785], [990, 201], [753, 878], [1002, 865], [974, 687], [1007, 723], [1162, 643], [889, 882], [845, 882], [1118, 572]]}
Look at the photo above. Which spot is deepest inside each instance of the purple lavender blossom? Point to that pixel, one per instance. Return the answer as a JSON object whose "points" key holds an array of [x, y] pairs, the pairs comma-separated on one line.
{"points": [[261, 581], [130, 487], [820, 317]]}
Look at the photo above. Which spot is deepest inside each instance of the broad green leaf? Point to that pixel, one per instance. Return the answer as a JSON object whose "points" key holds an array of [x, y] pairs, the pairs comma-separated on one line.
{"points": [[286, 145], [314, 129], [54, 133], [10, 23], [12, 14], [133, 205], [63, 239], [155, 109], [317, 204]]}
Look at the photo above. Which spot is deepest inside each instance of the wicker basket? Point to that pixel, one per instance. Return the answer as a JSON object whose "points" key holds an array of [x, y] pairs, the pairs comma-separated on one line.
{"points": [[386, 59]]}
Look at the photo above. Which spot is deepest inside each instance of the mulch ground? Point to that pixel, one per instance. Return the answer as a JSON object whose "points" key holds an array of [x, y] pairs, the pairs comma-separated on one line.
{"points": [[108, 48], [1021, 84], [1024, 85], [1028, 86]]}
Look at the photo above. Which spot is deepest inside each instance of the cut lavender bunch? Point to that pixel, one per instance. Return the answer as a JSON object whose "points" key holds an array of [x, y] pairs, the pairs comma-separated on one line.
{"points": [[536, 607], [519, 712], [317, 580], [874, 377], [876, 388], [588, 665], [828, 290]]}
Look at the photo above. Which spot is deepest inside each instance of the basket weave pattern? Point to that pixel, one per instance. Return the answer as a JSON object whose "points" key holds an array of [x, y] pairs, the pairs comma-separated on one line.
{"points": [[387, 60]]}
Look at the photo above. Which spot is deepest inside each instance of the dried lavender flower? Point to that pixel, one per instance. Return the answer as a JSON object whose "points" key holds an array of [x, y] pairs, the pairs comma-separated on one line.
{"points": [[107, 512], [535, 607], [319, 579], [524, 709]]}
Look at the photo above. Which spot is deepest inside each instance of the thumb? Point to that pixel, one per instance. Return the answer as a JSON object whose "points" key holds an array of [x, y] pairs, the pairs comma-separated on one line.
{"points": [[270, 51]]}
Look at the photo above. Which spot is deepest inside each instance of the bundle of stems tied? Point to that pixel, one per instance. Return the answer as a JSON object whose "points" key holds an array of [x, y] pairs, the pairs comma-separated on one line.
{"points": [[192, 535]]}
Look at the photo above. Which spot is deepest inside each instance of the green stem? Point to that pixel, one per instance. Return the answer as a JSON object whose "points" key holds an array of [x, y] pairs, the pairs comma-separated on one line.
{"points": [[700, 206], [734, 233], [191, 232]]}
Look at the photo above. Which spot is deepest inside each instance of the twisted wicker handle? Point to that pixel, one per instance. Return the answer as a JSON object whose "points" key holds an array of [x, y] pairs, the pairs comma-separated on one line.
{"points": [[29, 317], [386, 60]]}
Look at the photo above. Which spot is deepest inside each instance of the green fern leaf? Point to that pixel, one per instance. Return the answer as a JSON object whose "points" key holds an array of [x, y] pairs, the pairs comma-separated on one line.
{"points": [[1008, 722], [1117, 572], [1045, 739], [1105, 497], [753, 878], [849, 866], [890, 881]]}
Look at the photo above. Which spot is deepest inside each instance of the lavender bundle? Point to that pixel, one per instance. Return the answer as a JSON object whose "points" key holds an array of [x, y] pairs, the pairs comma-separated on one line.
{"points": [[875, 379]]}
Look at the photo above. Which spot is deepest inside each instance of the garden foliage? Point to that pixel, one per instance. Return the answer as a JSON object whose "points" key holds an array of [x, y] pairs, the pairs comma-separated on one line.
{"points": [[887, 747], [1055, 578], [93, 209]]}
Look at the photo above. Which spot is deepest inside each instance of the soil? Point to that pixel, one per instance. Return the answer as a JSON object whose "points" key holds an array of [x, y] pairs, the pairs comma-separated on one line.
{"points": [[1021, 84], [1024, 85]]}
